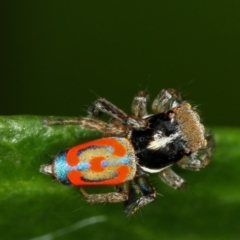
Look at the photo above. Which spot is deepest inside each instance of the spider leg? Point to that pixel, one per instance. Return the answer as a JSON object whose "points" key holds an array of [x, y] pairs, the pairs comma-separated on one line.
{"points": [[112, 197], [127, 188], [169, 177], [140, 185], [201, 158], [166, 99], [139, 104], [103, 106], [109, 129], [146, 190]]}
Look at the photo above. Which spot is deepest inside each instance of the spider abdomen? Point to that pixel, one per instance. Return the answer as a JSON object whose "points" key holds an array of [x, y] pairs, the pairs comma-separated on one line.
{"points": [[106, 161]]}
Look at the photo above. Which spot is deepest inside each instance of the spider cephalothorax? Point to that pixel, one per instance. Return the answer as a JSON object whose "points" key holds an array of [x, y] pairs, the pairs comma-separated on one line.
{"points": [[168, 137], [133, 147]]}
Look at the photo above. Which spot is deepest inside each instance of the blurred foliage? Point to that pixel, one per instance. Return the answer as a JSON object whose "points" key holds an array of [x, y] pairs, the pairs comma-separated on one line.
{"points": [[32, 205]]}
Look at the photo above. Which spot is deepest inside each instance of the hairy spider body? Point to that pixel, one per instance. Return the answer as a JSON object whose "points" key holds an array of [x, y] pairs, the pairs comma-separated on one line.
{"points": [[169, 137], [152, 143], [159, 145]]}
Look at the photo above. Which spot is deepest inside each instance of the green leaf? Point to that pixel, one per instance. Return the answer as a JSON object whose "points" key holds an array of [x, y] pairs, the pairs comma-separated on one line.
{"points": [[33, 205]]}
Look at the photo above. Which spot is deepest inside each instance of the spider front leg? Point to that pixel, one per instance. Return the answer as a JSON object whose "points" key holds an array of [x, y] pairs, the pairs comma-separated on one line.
{"points": [[166, 99], [141, 185], [112, 197], [169, 177], [201, 158], [103, 106], [109, 129], [139, 104]]}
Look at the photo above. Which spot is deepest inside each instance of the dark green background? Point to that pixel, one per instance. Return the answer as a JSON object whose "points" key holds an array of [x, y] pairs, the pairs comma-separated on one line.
{"points": [[58, 56]]}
